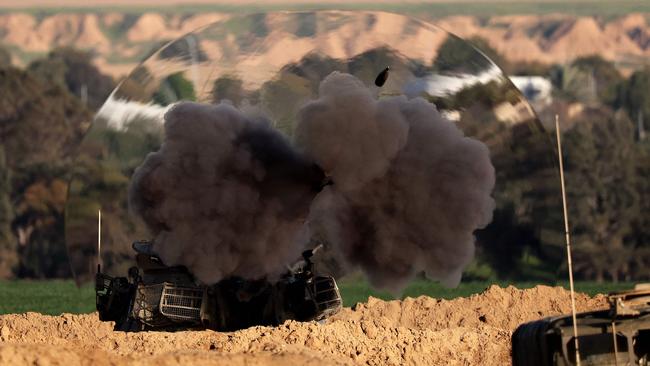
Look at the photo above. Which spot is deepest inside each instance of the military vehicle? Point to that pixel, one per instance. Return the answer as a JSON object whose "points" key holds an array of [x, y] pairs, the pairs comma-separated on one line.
{"points": [[619, 335], [155, 296]]}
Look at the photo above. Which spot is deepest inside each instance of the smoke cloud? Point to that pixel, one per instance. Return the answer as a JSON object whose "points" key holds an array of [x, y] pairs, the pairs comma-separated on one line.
{"points": [[410, 188], [227, 195]]}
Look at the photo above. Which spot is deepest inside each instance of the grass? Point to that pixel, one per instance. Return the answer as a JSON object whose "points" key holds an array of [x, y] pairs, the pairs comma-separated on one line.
{"points": [[59, 296], [48, 297], [358, 291]]}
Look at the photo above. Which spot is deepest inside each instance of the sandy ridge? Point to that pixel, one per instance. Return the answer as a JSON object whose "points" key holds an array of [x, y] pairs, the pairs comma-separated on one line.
{"points": [[553, 38], [414, 331]]}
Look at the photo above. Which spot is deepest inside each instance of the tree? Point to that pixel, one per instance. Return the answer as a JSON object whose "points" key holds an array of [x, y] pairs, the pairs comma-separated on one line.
{"points": [[99, 180], [187, 48], [641, 225], [39, 223], [40, 121], [489, 51], [601, 161], [228, 88], [509, 245], [525, 191], [605, 74], [590, 79], [74, 70], [40, 125], [5, 57], [282, 97], [633, 96], [457, 55], [315, 67], [8, 253], [529, 68], [173, 88]]}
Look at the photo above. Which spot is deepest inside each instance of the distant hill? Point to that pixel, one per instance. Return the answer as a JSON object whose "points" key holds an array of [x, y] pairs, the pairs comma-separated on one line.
{"points": [[121, 39]]}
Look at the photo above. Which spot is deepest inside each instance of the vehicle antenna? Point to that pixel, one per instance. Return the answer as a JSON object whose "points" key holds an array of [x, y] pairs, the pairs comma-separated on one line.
{"points": [[99, 241], [568, 240]]}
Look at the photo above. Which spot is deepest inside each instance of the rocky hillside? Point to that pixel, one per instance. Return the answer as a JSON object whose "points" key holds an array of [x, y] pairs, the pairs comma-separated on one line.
{"points": [[121, 40]]}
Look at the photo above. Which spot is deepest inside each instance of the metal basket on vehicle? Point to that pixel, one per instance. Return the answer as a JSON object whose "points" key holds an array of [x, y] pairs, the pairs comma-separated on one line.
{"points": [[181, 304], [146, 305], [326, 296]]}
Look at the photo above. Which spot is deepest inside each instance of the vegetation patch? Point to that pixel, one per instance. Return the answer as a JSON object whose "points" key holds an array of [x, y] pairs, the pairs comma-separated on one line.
{"points": [[55, 297]]}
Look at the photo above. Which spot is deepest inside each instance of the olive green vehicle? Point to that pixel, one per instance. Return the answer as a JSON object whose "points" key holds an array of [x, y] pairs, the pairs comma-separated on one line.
{"points": [[619, 335], [155, 296]]}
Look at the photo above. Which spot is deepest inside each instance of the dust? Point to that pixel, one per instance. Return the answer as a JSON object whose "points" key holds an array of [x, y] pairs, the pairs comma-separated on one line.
{"points": [[413, 331]]}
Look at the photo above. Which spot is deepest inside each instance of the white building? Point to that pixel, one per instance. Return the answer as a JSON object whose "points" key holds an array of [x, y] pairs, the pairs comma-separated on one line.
{"points": [[536, 89]]}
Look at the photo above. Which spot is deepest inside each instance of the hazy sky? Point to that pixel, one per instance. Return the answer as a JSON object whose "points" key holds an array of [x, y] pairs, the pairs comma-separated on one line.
{"points": [[91, 3], [121, 3]]}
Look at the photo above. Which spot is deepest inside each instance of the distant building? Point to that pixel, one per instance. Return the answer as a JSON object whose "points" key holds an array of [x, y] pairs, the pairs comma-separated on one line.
{"points": [[441, 85], [536, 89]]}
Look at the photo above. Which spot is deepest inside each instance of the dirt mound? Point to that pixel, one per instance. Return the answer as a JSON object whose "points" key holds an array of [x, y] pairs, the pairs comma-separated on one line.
{"points": [[473, 330], [503, 308]]}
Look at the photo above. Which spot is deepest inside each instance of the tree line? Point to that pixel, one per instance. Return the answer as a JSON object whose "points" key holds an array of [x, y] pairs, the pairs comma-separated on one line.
{"points": [[47, 106]]}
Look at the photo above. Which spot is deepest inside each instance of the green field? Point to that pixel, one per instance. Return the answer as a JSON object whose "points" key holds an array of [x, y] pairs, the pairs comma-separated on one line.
{"points": [[56, 297]]}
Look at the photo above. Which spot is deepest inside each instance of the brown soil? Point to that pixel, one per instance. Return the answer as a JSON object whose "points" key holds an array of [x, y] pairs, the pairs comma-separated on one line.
{"points": [[421, 331]]}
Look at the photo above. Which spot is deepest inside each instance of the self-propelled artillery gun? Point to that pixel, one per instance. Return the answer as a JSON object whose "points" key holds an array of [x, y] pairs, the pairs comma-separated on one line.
{"points": [[155, 296]]}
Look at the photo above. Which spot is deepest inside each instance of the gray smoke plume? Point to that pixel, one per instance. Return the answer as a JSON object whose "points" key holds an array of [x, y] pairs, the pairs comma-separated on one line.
{"points": [[409, 188], [226, 195]]}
